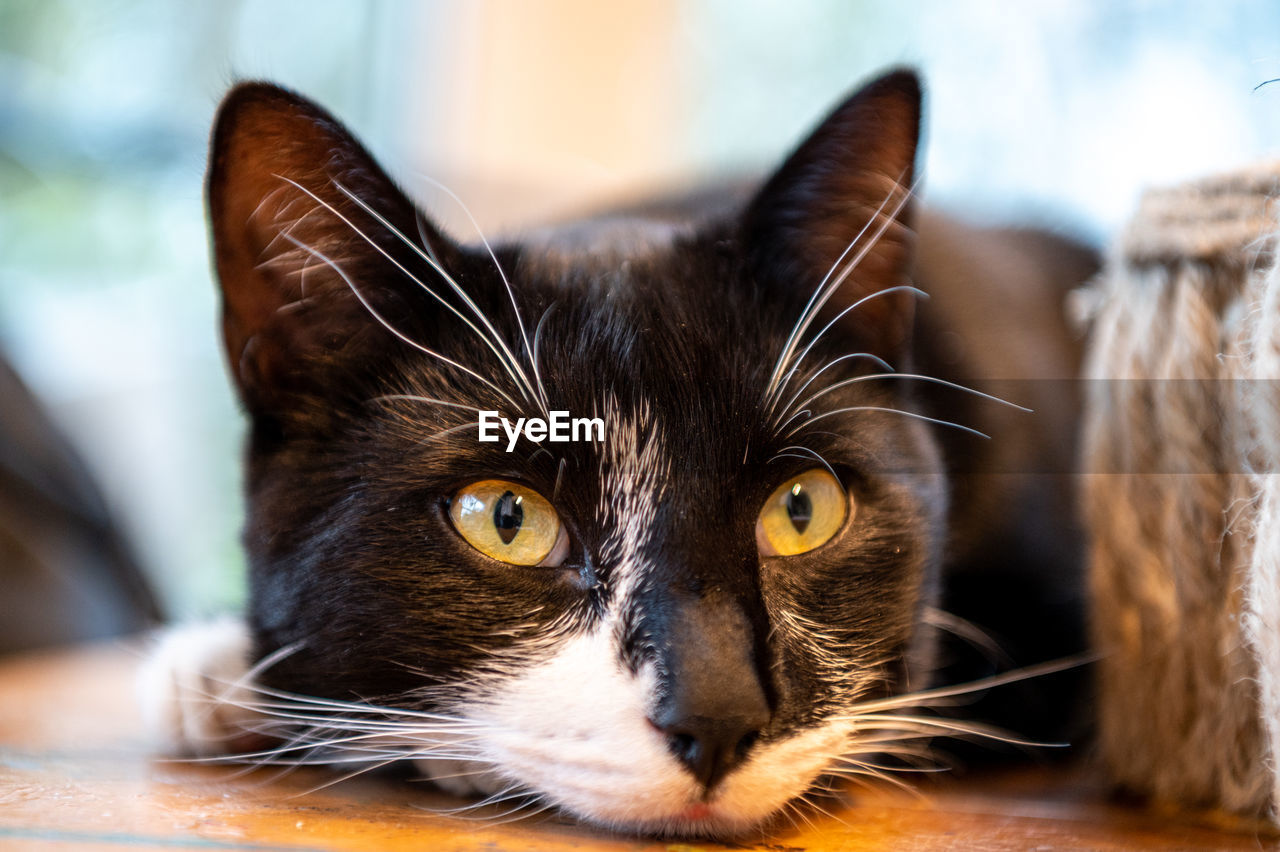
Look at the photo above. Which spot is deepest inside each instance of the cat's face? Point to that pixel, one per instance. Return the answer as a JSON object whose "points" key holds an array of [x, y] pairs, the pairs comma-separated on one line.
{"points": [[665, 630]]}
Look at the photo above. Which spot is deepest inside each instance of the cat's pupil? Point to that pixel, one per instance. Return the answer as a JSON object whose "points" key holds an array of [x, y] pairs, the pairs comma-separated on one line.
{"points": [[799, 509], [508, 514]]}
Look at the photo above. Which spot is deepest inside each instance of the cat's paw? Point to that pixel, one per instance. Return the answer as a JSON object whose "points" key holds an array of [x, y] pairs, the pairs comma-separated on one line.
{"points": [[460, 777], [194, 690]]}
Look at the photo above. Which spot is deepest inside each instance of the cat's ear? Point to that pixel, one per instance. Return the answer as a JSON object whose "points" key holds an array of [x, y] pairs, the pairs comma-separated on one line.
{"points": [[843, 197], [310, 239]]}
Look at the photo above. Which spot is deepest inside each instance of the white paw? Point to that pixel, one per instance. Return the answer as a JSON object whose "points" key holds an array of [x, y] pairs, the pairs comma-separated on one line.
{"points": [[460, 777], [194, 694]]}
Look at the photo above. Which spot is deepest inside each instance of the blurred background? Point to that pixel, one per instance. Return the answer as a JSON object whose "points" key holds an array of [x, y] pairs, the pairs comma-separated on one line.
{"points": [[1057, 112]]}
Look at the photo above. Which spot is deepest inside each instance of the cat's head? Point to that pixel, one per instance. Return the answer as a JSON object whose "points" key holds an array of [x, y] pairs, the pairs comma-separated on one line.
{"points": [[668, 629]]}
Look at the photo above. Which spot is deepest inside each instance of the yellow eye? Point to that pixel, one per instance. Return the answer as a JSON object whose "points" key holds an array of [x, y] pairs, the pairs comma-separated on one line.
{"points": [[509, 522], [803, 513]]}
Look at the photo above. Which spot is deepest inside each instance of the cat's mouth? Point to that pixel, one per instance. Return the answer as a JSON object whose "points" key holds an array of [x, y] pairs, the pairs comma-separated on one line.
{"points": [[698, 812], [665, 802]]}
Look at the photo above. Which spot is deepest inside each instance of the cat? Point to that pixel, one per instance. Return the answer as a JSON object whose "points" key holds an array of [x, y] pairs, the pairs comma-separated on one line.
{"points": [[678, 629]]}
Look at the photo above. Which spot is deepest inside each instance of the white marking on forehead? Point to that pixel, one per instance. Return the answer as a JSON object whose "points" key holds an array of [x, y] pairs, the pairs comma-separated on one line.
{"points": [[635, 470]]}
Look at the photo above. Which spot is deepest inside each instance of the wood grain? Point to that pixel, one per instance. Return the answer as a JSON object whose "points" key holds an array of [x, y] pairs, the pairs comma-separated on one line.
{"points": [[75, 773]]}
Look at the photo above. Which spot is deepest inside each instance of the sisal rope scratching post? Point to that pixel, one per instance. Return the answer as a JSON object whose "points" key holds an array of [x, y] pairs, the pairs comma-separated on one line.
{"points": [[1182, 496]]}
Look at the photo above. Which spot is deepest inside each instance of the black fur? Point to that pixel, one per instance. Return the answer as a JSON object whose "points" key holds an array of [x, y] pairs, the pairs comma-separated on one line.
{"points": [[351, 549]]}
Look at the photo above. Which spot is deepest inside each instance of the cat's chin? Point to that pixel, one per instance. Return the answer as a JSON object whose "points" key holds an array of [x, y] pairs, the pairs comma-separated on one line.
{"points": [[698, 822], [734, 810], [722, 817], [719, 817], [713, 820]]}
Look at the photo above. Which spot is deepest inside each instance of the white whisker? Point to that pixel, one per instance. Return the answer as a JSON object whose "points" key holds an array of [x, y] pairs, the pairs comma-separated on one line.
{"points": [[473, 424], [559, 477], [293, 700], [389, 327], [942, 727], [809, 802], [798, 809], [968, 631], [488, 341], [511, 793], [808, 452], [880, 362], [916, 377], [913, 414], [421, 223], [883, 291], [506, 357], [883, 768], [342, 777], [880, 776], [408, 397], [928, 696], [537, 331], [533, 362], [814, 305], [827, 287]]}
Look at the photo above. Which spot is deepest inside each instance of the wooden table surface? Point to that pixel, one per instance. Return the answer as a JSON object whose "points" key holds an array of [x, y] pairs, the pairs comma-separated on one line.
{"points": [[75, 773]]}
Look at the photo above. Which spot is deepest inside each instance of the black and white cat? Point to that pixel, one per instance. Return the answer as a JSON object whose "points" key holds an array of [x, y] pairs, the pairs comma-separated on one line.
{"points": [[682, 627]]}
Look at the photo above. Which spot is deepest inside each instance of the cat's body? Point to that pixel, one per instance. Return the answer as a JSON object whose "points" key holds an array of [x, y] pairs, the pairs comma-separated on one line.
{"points": [[679, 659]]}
